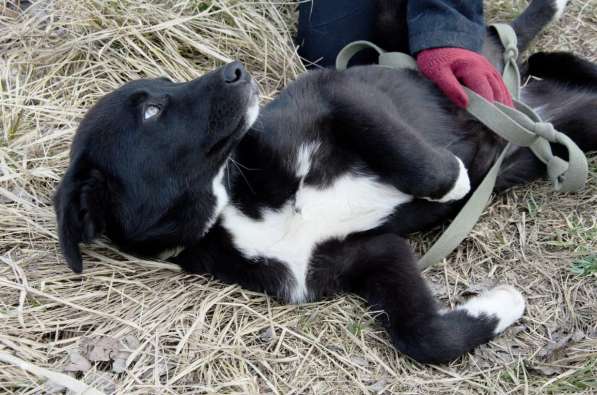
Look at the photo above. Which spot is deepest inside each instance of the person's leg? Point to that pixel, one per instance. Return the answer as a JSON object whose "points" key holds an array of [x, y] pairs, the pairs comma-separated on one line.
{"points": [[391, 27], [326, 26]]}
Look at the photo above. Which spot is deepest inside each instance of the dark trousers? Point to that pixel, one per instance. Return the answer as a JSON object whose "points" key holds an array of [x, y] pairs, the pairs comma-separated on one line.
{"points": [[326, 26]]}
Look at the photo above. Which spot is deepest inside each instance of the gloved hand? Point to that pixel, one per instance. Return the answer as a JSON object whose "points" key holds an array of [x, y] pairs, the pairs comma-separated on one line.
{"points": [[450, 68]]}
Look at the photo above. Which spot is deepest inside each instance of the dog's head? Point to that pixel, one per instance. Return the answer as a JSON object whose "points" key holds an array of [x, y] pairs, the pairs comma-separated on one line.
{"points": [[144, 160]]}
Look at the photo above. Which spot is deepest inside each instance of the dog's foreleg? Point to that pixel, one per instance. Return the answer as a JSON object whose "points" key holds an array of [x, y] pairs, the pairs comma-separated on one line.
{"points": [[383, 270], [394, 150]]}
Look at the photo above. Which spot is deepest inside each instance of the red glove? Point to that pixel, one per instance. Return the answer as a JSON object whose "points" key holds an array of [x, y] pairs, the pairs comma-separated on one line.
{"points": [[449, 67]]}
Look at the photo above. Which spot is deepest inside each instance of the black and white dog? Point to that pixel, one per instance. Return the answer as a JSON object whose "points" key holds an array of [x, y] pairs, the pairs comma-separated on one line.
{"points": [[314, 194]]}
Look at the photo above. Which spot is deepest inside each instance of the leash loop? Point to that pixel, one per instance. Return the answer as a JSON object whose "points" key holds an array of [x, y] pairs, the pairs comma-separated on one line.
{"points": [[510, 53], [509, 41], [546, 130]]}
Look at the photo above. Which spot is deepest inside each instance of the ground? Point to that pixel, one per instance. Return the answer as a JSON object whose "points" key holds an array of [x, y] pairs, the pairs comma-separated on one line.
{"points": [[187, 334]]}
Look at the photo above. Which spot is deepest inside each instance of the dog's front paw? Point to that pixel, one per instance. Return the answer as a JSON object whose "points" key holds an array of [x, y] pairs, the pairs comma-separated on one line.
{"points": [[461, 187]]}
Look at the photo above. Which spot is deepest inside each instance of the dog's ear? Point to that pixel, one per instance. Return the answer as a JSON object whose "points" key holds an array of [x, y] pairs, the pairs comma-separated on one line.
{"points": [[80, 204]]}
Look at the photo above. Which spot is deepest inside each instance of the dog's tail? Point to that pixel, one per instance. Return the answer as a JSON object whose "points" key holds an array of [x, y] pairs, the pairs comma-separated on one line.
{"points": [[535, 18]]}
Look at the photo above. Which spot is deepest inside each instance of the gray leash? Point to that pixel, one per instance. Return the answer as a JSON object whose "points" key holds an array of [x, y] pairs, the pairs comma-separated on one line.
{"points": [[520, 126]]}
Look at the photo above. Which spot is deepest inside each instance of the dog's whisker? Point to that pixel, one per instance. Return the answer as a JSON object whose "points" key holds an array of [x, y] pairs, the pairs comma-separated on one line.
{"points": [[228, 174], [240, 171], [243, 166]]}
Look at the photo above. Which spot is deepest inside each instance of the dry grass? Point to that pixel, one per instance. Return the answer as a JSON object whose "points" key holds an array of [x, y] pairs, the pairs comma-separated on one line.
{"points": [[198, 336]]}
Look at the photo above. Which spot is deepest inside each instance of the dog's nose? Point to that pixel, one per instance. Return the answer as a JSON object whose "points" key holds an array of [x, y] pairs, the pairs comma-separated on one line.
{"points": [[234, 72]]}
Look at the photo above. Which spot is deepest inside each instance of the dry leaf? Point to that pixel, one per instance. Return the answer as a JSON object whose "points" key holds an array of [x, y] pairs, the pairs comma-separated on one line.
{"points": [[336, 349], [266, 335], [78, 363], [119, 365], [101, 349], [516, 329], [130, 343], [545, 370], [161, 368], [51, 388], [106, 349], [578, 335], [488, 356], [560, 339], [378, 386], [101, 381], [359, 361]]}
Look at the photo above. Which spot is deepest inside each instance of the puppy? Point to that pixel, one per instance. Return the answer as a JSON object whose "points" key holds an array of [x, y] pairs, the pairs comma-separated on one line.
{"points": [[314, 195]]}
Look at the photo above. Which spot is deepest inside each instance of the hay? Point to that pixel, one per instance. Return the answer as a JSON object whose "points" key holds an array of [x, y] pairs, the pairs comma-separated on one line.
{"points": [[198, 335]]}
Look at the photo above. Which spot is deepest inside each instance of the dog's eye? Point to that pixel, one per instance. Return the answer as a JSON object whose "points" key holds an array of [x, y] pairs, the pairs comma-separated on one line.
{"points": [[151, 111]]}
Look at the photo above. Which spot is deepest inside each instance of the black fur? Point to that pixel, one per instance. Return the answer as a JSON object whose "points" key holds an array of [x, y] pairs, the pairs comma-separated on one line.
{"points": [[565, 68], [148, 184]]}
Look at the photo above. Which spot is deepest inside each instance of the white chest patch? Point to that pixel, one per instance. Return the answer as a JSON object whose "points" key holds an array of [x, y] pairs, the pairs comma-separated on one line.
{"points": [[352, 203], [221, 196]]}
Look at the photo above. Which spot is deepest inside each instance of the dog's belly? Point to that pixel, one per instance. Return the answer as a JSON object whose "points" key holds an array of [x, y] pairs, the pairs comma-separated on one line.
{"points": [[352, 203]]}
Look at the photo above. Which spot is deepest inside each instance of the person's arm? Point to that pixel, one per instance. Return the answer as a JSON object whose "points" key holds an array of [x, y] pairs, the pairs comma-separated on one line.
{"points": [[445, 36], [445, 23]]}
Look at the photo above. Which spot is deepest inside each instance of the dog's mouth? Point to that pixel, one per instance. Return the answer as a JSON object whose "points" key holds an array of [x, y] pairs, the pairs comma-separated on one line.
{"points": [[227, 143]]}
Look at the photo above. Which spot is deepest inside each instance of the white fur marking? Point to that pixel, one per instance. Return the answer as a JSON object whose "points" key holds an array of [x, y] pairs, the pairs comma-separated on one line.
{"points": [[540, 110], [303, 160], [151, 111], [461, 187], [560, 6], [222, 198], [171, 253], [502, 302], [253, 108], [252, 113], [352, 203]]}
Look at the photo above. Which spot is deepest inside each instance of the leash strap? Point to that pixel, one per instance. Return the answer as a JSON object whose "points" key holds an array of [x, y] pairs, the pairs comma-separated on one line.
{"points": [[520, 126]]}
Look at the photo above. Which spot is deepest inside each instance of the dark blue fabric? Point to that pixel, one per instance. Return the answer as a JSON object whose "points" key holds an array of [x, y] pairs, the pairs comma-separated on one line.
{"points": [[445, 23], [326, 26]]}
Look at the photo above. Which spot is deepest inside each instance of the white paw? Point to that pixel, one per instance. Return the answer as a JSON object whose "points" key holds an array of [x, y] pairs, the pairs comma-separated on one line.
{"points": [[461, 187], [503, 302], [560, 5]]}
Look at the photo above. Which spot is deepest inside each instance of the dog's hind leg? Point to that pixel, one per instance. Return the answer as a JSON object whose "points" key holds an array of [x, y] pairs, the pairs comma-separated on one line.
{"points": [[574, 116], [383, 270], [520, 168], [567, 97], [564, 67]]}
